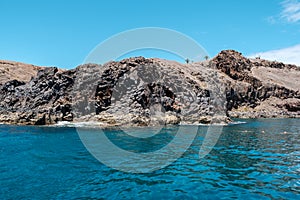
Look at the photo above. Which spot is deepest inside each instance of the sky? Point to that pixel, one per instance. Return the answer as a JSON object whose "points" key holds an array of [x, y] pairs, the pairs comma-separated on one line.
{"points": [[62, 33]]}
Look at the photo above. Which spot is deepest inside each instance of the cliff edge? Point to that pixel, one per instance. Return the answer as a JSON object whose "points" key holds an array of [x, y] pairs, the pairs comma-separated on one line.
{"points": [[145, 92]]}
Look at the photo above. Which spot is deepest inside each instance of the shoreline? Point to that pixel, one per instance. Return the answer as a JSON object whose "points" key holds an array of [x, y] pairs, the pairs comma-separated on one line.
{"points": [[93, 124]]}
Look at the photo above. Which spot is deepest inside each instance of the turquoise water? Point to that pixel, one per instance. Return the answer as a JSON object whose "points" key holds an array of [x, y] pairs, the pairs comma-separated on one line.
{"points": [[256, 160]]}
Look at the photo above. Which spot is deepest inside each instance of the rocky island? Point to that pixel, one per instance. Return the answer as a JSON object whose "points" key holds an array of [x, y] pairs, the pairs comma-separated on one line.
{"points": [[227, 86]]}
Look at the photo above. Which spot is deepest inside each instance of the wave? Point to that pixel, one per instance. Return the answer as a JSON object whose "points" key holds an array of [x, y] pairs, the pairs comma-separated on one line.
{"points": [[77, 124], [237, 123], [99, 124]]}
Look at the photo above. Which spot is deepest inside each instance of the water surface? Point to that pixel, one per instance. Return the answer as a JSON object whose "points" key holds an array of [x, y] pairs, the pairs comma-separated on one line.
{"points": [[256, 160]]}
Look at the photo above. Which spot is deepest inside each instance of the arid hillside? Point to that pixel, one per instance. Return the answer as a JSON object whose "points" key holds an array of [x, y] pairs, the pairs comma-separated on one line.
{"points": [[145, 92], [10, 70]]}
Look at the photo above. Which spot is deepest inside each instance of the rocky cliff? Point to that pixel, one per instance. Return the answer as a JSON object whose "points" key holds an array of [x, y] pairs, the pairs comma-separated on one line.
{"points": [[139, 91], [259, 88]]}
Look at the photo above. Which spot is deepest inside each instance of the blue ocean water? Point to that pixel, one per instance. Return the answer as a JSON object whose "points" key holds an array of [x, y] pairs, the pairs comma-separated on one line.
{"points": [[259, 159]]}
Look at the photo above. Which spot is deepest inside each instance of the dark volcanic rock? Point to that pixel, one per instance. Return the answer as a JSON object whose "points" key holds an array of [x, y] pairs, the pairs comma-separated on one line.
{"points": [[11, 85], [139, 91], [25, 103], [258, 86]]}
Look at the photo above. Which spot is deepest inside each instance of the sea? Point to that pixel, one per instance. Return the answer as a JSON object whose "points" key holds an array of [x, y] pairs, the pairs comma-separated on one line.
{"points": [[250, 159]]}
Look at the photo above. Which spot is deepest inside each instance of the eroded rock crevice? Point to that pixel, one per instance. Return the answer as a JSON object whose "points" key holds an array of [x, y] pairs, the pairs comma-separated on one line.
{"points": [[140, 91]]}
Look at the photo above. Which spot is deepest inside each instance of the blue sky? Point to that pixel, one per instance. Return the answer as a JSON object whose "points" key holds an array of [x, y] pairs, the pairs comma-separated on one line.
{"points": [[62, 33]]}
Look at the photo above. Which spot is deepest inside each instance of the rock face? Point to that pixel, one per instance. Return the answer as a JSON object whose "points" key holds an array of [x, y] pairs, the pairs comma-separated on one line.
{"points": [[259, 88], [142, 92], [146, 92], [43, 100]]}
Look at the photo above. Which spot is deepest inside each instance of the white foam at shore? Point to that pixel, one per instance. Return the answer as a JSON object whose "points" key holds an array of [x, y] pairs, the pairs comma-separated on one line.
{"points": [[77, 124], [237, 122], [99, 124]]}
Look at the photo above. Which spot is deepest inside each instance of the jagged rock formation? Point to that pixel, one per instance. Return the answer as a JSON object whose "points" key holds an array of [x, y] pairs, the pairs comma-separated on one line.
{"points": [[139, 91], [43, 100], [259, 88]]}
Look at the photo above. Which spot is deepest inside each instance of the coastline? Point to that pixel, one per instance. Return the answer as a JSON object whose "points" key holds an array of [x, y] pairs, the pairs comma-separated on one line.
{"points": [[227, 86]]}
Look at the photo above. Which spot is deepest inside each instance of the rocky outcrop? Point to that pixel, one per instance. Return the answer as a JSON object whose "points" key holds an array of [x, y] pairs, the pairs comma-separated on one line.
{"points": [[146, 92], [140, 92], [43, 100], [259, 88]]}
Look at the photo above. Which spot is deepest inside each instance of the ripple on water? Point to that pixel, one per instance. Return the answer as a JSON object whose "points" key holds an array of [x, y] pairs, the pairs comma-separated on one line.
{"points": [[253, 160]]}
